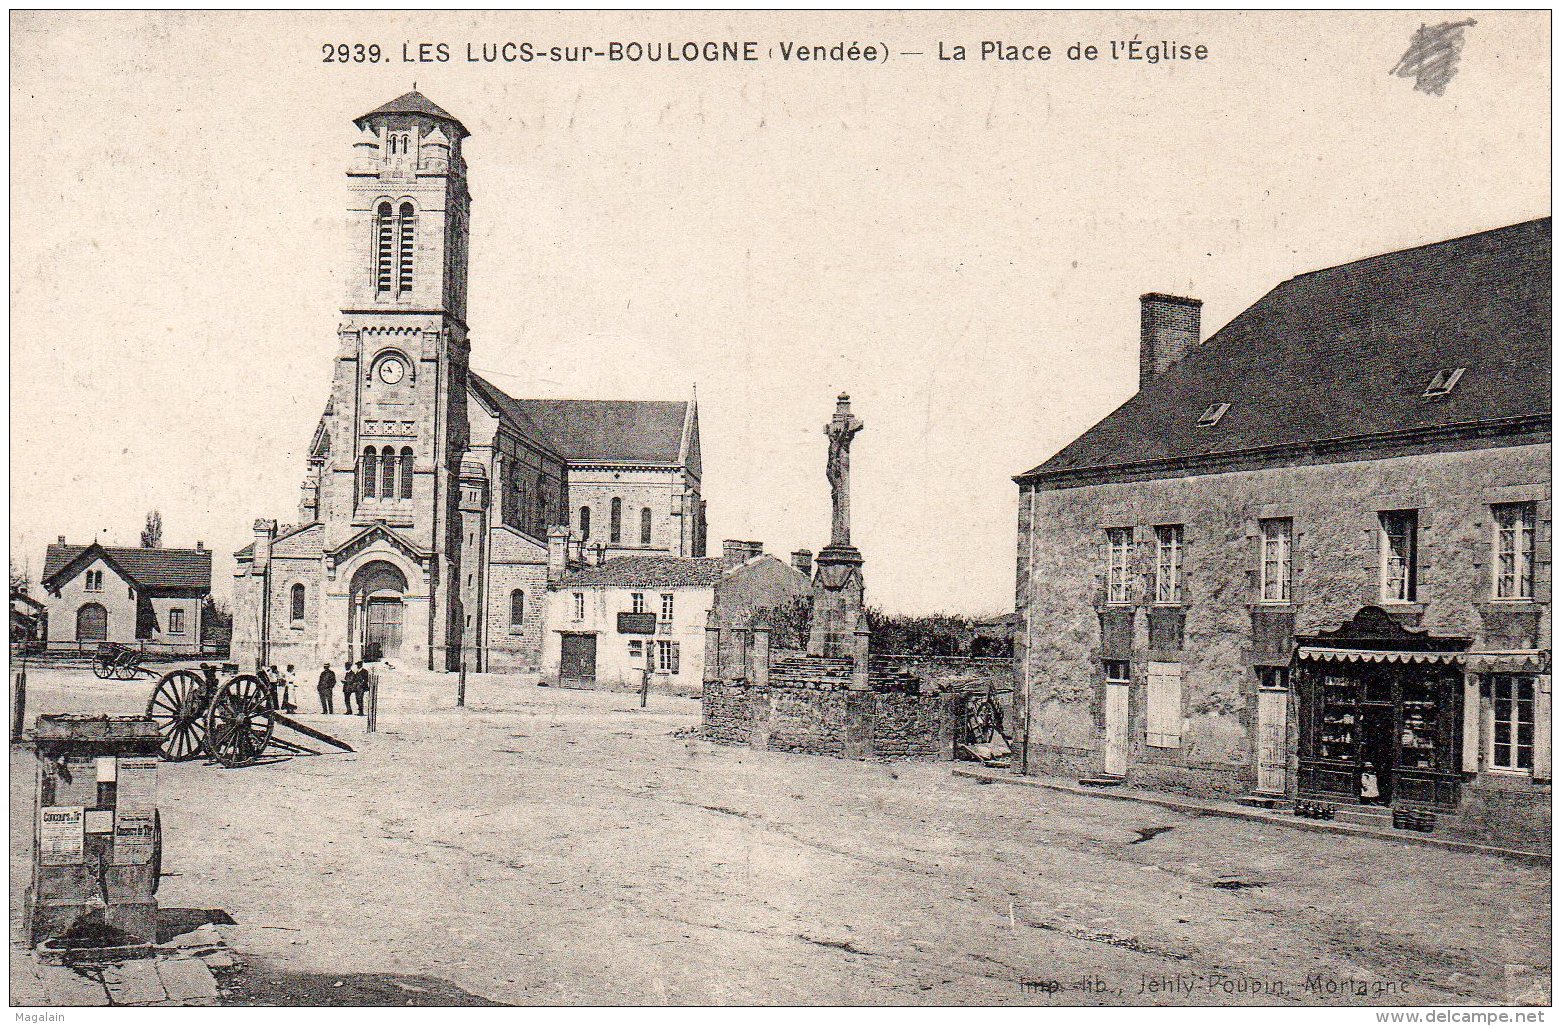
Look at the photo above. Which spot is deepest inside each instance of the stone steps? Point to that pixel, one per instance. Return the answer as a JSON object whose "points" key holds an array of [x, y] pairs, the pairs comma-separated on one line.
{"points": [[1379, 816]]}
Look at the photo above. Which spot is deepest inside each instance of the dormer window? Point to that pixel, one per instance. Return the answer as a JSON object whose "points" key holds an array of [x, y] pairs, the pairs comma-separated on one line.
{"points": [[1444, 381], [1212, 415]]}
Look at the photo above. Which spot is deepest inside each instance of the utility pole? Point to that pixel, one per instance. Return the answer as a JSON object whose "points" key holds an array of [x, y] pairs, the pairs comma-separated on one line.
{"points": [[645, 674], [19, 704], [460, 687]]}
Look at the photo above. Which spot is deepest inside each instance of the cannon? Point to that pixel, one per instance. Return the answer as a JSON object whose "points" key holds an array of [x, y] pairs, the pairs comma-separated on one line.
{"points": [[233, 722]]}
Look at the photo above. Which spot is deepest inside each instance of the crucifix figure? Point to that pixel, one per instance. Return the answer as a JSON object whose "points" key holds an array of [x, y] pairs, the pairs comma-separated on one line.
{"points": [[842, 427]]}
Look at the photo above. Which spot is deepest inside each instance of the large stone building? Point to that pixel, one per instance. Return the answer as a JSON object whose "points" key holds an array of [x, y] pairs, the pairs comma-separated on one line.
{"points": [[151, 599], [1312, 549], [429, 492]]}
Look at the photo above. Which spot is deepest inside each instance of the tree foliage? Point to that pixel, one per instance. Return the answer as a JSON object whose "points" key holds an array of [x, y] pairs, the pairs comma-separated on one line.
{"points": [[152, 533], [939, 634]]}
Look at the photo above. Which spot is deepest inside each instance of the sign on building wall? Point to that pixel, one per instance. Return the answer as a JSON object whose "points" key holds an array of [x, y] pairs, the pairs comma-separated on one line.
{"points": [[636, 623]]}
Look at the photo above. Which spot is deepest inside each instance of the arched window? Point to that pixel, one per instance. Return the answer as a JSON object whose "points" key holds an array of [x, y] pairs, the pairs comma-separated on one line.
{"points": [[408, 225], [298, 603], [517, 608], [645, 526], [370, 469], [615, 521], [406, 471], [585, 523], [387, 473], [385, 236], [541, 499]]}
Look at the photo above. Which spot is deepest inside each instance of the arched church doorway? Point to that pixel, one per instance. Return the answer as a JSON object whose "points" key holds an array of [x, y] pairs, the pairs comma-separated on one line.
{"points": [[378, 590], [92, 623]]}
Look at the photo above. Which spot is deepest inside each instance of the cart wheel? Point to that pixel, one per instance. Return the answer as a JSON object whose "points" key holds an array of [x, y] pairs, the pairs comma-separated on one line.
{"points": [[982, 720], [239, 725], [102, 665], [178, 706], [125, 670]]}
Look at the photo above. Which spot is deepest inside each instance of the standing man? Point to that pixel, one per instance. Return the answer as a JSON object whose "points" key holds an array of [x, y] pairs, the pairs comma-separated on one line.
{"points": [[325, 687], [349, 687]]}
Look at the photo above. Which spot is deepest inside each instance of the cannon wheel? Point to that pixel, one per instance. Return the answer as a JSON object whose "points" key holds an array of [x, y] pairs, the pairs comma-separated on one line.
{"points": [[103, 664], [239, 725], [178, 705]]}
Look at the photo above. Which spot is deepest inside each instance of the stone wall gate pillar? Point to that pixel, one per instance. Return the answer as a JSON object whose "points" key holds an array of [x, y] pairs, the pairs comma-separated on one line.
{"points": [[759, 673], [860, 669]]}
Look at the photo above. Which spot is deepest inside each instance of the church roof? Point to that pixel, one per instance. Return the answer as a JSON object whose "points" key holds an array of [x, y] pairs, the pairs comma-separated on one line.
{"points": [[596, 430], [1349, 353], [145, 568], [414, 102], [648, 572]]}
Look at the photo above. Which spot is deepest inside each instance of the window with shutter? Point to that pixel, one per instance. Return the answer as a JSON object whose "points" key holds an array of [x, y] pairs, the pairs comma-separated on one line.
{"points": [[1164, 700]]}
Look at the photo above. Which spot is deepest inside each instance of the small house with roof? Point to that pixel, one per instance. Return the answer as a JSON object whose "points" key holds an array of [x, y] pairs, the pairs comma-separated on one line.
{"points": [[146, 598], [607, 623], [1310, 557]]}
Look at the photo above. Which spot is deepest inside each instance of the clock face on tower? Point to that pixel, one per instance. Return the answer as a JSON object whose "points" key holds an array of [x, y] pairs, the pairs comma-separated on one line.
{"points": [[392, 370]]}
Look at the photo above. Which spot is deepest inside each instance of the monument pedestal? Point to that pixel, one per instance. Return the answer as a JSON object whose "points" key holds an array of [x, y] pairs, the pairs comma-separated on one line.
{"points": [[837, 602]]}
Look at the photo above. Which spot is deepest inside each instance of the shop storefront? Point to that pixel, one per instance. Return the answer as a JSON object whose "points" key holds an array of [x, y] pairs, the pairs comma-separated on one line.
{"points": [[1381, 709]]}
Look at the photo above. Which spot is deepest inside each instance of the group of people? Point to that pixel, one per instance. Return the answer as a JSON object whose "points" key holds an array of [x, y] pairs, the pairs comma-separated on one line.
{"points": [[283, 683], [355, 683]]}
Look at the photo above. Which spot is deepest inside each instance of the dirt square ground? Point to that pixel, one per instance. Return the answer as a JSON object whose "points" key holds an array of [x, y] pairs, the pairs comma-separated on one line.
{"points": [[548, 846]]}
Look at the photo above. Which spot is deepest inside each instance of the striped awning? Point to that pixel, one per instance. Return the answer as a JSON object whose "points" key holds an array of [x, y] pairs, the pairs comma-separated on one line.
{"points": [[1526, 660], [1370, 655]]}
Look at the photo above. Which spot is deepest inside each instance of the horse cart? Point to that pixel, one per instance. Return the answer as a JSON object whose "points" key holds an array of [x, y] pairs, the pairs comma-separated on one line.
{"points": [[117, 662], [233, 722]]}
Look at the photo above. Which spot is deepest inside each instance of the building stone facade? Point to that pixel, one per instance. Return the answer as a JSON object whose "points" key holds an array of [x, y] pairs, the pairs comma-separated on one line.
{"points": [[1232, 609], [152, 599], [607, 623], [429, 492]]}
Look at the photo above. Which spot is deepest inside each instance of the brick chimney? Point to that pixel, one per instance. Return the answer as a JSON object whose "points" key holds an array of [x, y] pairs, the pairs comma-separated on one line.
{"points": [[557, 553], [265, 534], [736, 553], [1168, 329], [62, 539], [200, 546], [802, 559]]}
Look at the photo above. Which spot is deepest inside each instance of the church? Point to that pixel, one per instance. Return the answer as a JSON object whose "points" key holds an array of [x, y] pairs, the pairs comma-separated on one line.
{"points": [[430, 493]]}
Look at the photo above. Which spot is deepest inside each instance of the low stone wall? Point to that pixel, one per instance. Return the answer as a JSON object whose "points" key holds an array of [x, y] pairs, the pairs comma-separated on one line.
{"points": [[843, 724]]}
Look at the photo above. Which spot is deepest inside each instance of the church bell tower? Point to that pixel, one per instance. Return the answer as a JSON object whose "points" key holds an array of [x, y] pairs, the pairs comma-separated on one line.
{"points": [[399, 391]]}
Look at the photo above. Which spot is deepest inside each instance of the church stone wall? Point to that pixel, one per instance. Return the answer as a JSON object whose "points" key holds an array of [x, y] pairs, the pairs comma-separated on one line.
{"points": [[511, 648], [1334, 510], [659, 490]]}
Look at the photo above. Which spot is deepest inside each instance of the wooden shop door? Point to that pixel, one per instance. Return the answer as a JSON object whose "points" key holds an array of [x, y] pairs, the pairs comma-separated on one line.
{"points": [[577, 661]]}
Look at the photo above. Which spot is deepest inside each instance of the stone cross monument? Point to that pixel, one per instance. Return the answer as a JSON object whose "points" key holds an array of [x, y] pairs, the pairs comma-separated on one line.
{"points": [[837, 581]]}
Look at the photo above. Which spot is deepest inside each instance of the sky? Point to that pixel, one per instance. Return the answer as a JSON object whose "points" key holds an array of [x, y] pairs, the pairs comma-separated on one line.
{"points": [[958, 245]]}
